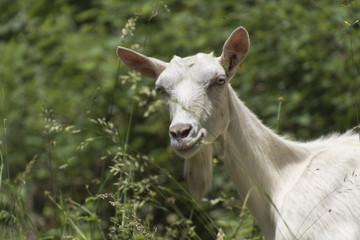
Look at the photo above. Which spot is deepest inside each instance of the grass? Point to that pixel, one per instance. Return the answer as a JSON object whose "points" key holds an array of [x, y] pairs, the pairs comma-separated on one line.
{"points": [[280, 100], [129, 200], [129, 194]]}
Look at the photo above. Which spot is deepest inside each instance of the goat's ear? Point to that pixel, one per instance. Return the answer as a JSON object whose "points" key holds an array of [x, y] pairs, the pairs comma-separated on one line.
{"points": [[147, 66], [235, 50]]}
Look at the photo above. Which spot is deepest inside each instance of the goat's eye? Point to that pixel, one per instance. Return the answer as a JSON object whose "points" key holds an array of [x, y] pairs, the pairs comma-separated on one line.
{"points": [[159, 89], [220, 81]]}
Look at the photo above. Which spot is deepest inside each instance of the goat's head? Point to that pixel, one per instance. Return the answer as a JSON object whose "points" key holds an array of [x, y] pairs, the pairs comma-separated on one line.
{"points": [[196, 90]]}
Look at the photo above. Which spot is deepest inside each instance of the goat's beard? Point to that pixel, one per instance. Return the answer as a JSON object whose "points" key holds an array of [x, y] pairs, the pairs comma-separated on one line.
{"points": [[198, 172]]}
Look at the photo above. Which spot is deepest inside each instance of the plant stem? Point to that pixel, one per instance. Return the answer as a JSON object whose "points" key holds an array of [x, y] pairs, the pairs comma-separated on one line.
{"points": [[129, 176], [4, 161], [280, 100]]}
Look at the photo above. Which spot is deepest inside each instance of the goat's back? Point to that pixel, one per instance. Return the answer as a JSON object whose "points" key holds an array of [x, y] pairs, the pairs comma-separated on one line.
{"points": [[325, 201]]}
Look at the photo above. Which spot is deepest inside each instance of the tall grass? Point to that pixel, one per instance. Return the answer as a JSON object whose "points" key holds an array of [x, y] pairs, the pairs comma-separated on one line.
{"points": [[134, 197], [1, 155], [354, 72], [3, 144], [138, 206]]}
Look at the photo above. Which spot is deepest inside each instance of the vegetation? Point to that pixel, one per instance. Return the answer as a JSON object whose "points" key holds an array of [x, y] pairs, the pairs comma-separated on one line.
{"points": [[83, 142]]}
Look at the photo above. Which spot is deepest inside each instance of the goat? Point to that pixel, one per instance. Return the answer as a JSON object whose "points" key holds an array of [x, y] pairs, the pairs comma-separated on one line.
{"points": [[298, 190]]}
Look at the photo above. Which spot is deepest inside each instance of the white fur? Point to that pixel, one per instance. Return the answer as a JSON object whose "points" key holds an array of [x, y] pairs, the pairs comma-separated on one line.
{"points": [[298, 190]]}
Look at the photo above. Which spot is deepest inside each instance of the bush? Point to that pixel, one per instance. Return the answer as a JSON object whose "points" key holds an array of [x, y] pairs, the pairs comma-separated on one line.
{"points": [[76, 160]]}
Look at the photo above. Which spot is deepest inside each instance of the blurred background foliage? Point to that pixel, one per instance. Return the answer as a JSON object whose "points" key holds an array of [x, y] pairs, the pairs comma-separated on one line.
{"points": [[84, 143]]}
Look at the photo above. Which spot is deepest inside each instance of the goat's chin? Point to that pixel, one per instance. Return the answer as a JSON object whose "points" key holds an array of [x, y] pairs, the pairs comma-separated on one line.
{"points": [[188, 152]]}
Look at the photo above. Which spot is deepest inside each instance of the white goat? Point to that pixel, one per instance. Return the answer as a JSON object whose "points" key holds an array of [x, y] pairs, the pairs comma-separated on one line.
{"points": [[297, 190]]}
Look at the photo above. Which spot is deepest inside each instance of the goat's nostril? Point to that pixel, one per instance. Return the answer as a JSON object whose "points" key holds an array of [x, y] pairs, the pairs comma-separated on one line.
{"points": [[180, 131], [185, 131], [173, 134]]}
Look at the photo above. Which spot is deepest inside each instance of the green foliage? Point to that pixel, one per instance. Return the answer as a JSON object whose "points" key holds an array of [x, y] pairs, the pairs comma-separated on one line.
{"points": [[83, 141]]}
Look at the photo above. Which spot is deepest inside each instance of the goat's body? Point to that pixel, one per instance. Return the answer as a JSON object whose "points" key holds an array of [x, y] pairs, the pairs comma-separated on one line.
{"points": [[329, 192], [297, 190]]}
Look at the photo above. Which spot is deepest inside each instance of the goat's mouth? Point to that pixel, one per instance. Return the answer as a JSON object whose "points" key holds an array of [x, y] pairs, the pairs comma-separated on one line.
{"points": [[186, 148]]}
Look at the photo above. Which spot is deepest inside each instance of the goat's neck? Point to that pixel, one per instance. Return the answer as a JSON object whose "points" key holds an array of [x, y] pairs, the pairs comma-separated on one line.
{"points": [[260, 162]]}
